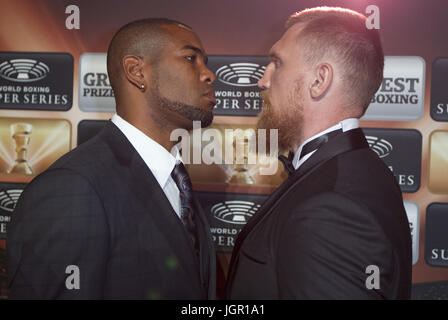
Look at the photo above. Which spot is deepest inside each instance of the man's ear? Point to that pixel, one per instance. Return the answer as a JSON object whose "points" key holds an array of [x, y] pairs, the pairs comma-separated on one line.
{"points": [[323, 79], [134, 71]]}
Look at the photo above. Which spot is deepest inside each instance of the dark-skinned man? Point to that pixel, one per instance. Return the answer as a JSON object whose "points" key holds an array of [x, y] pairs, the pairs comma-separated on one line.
{"points": [[115, 218]]}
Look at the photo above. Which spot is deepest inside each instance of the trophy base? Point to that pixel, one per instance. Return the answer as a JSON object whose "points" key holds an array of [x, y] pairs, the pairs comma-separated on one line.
{"points": [[21, 168], [241, 178]]}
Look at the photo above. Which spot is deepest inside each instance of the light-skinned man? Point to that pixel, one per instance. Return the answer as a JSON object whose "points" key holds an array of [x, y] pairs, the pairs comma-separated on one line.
{"points": [[339, 216]]}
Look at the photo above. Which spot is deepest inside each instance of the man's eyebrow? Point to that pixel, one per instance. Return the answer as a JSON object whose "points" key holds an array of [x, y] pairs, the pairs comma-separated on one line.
{"points": [[197, 50]]}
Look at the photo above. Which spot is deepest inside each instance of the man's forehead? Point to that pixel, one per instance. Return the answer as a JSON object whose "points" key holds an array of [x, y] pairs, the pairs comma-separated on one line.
{"points": [[292, 33], [289, 39], [182, 36]]}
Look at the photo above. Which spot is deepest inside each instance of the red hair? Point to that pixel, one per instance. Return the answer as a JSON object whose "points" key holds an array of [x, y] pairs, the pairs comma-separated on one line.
{"points": [[343, 34]]}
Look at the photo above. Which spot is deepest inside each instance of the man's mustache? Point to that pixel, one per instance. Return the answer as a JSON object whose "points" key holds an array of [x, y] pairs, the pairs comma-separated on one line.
{"points": [[264, 95]]}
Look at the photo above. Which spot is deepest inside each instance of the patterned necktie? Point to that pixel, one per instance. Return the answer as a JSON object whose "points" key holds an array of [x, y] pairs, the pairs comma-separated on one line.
{"points": [[183, 182]]}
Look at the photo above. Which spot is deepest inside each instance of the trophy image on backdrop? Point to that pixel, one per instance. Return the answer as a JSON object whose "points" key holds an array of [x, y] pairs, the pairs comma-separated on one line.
{"points": [[241, 175], [21, 134]]}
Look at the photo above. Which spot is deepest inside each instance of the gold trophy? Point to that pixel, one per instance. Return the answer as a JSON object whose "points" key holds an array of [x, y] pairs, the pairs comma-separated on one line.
{"points": [[21, 134], [240, 173]]}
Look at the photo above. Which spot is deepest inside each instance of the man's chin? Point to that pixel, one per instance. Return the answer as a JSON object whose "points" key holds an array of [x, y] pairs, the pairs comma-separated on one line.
{"points": [[281, 135], [207, 121]]}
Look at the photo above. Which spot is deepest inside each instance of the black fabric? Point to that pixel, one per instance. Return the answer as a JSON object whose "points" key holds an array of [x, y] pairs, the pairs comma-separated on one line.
{"points": [[287, 163], [314, 237], [306, 149], [318, 142], [100, 208]]}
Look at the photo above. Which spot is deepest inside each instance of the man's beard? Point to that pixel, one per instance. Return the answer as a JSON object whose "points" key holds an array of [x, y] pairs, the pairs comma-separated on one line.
{"points": [[287, 119], [166, 107]]}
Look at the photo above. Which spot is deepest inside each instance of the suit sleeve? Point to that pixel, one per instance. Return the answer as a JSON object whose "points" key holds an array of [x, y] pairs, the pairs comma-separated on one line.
{"points": [[326, 247], [57, 239]]}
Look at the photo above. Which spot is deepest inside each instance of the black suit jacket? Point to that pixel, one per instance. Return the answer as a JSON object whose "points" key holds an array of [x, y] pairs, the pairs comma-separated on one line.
{"points": [[100, 208], [315, 236]]}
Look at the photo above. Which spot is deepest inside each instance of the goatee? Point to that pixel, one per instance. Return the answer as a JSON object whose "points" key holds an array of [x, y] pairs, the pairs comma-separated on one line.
{"points": [[167, 107], [288, 125], [187, 111]]}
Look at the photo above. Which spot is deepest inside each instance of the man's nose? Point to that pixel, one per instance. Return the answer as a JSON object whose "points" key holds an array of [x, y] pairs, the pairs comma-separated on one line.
{"points": [[265, 82], [207, 76]]}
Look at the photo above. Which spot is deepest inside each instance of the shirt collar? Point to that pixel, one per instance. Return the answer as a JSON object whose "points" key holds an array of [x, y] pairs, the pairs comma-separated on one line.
{"points": [[345, 125], [157, 158]]}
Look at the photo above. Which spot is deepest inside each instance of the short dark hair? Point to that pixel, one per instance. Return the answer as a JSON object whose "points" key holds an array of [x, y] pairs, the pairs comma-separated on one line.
{"points": [[344, 34], [143, 37]]}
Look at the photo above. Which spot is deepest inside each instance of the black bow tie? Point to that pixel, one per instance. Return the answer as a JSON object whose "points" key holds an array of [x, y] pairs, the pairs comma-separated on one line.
{"points": [[306, 149], [287, 162]]}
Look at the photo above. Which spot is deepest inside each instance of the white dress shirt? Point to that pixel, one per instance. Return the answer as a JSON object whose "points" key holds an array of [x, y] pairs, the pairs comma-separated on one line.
{"points": [[345, 125], [157, 158]]}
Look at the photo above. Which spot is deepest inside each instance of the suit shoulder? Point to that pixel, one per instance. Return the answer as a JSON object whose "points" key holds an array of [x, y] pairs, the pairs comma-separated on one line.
{"points": [[55, 182], [330, 203], [365, 167], [360, 175], [86, 154]]}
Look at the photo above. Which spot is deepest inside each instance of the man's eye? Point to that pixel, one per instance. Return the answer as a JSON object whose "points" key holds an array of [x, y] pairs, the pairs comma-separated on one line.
{"points": [[190, 58]]}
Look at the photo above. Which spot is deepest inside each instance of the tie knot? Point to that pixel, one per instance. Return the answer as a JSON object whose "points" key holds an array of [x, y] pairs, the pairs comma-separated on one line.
{"points": [[181, 177], [287, 162]]}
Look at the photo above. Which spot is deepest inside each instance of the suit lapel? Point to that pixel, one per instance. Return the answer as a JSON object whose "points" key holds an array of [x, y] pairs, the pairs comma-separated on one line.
{"points": [[158, 213], [206, 252], [348, 141]]}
